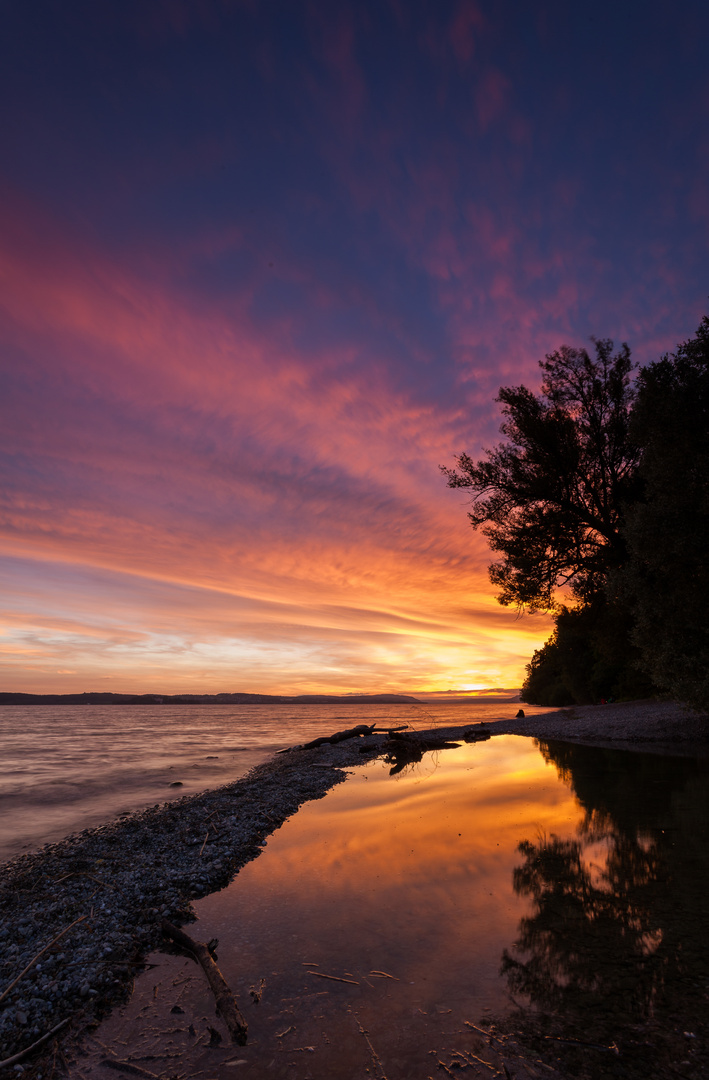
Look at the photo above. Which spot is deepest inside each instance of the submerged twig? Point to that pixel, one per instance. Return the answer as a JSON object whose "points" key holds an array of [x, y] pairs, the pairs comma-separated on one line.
{"points": [[335, 978], [376, 1060], [612, 1049], [129, 1067], [469, 1054], [487, 1034]]}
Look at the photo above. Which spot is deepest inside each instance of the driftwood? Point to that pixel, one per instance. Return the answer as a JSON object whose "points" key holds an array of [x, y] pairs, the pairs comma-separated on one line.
{"points": [[403, 750], [225, 1000], [35, 1045], [41, 952], [479, 733], [349, 733]]}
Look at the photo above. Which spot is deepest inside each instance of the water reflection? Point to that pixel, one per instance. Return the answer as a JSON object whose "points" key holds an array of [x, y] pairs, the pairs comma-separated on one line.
{"points": [[403, 892], [616, 932], [406, 875]]}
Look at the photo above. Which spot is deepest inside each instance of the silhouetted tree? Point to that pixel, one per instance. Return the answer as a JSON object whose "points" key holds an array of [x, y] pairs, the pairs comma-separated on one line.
{"points": [[590, 656], [551, 497], [603, 486], [545, 682], [666, 580]]}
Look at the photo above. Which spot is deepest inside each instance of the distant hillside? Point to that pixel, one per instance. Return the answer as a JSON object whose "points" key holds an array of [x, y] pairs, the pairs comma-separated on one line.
{"points": [[205, 699]]}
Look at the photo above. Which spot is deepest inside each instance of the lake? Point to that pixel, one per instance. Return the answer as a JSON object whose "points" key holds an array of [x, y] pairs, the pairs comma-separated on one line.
{"points": [[549, 885], [65, 768]]}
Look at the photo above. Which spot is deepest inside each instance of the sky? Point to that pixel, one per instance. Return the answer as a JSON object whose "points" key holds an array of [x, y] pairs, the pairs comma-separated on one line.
{"points": [[264, 265]]}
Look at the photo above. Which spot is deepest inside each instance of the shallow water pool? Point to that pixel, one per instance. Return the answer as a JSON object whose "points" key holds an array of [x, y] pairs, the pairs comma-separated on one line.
{"points": [[384, 920]]}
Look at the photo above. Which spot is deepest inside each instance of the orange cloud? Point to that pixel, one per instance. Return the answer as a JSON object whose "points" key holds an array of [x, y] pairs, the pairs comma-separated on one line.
{"points": [[276, 524]]}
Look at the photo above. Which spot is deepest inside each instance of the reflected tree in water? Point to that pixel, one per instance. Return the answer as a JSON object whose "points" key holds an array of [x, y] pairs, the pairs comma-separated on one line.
{"points": [[593, 940], [616, 931]]}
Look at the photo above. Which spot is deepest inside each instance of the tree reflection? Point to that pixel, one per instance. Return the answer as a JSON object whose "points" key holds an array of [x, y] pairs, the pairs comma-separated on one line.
{"points": [[616, 932], [593, 939]]}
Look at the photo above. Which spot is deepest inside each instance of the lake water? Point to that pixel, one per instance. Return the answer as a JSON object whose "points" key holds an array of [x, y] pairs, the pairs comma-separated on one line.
{"points": [[565, 880], [64, 768]]}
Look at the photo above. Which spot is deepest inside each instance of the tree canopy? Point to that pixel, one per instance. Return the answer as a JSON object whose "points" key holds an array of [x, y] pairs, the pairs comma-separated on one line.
{"points": [[602, 485], [665, 581], [551, 497]]}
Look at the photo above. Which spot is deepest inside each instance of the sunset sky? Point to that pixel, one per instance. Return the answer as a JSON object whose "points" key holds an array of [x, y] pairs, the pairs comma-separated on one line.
{"points": [[264, 265]]}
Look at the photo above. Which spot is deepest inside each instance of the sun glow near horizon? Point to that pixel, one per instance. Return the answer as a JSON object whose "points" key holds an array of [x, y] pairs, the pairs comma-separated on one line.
{"points": [[69, 629]]}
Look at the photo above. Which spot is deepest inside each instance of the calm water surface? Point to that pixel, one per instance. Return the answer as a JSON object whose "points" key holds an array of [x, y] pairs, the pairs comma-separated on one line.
{"points": [[64, 768], [565, 879]]}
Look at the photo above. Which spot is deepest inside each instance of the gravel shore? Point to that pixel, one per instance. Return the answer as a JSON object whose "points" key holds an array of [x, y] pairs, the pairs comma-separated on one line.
{"points": [[105, 890], [120, 880], [650, 726]]}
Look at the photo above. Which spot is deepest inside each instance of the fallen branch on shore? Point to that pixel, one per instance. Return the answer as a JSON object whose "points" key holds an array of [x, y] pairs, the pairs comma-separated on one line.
{"points": [[358, 731], [479, 733], [225, 1000], [35, 1045], [41, 952]]}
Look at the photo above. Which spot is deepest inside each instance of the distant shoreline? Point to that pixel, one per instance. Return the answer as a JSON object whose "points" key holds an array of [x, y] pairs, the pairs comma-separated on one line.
{"points": [[98, 698]]}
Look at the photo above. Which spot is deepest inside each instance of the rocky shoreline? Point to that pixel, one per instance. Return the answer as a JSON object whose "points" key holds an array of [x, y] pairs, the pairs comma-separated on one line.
{"points": [[106, 890], [662, 727]]}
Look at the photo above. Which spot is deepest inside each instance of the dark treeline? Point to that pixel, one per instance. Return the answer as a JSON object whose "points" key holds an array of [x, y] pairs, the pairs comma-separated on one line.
{"points": [[602, 486]]}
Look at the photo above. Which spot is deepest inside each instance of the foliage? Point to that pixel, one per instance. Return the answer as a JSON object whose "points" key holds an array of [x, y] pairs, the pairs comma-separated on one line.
{"points": [[666, 580], [551, 497], [603, 486], [545, 683], [589, 657]]}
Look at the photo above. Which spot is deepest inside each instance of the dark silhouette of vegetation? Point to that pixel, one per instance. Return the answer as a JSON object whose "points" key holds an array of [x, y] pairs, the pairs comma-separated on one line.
{"points": [[665, 581], [614, 938], [602, 487], [589, 657], [550, 499]]}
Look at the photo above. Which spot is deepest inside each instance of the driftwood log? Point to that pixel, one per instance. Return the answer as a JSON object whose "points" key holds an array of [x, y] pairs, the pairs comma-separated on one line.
{"points": [[35, 1045], [225, 1000], [403, 750], [349, 733], [479, 733]]}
